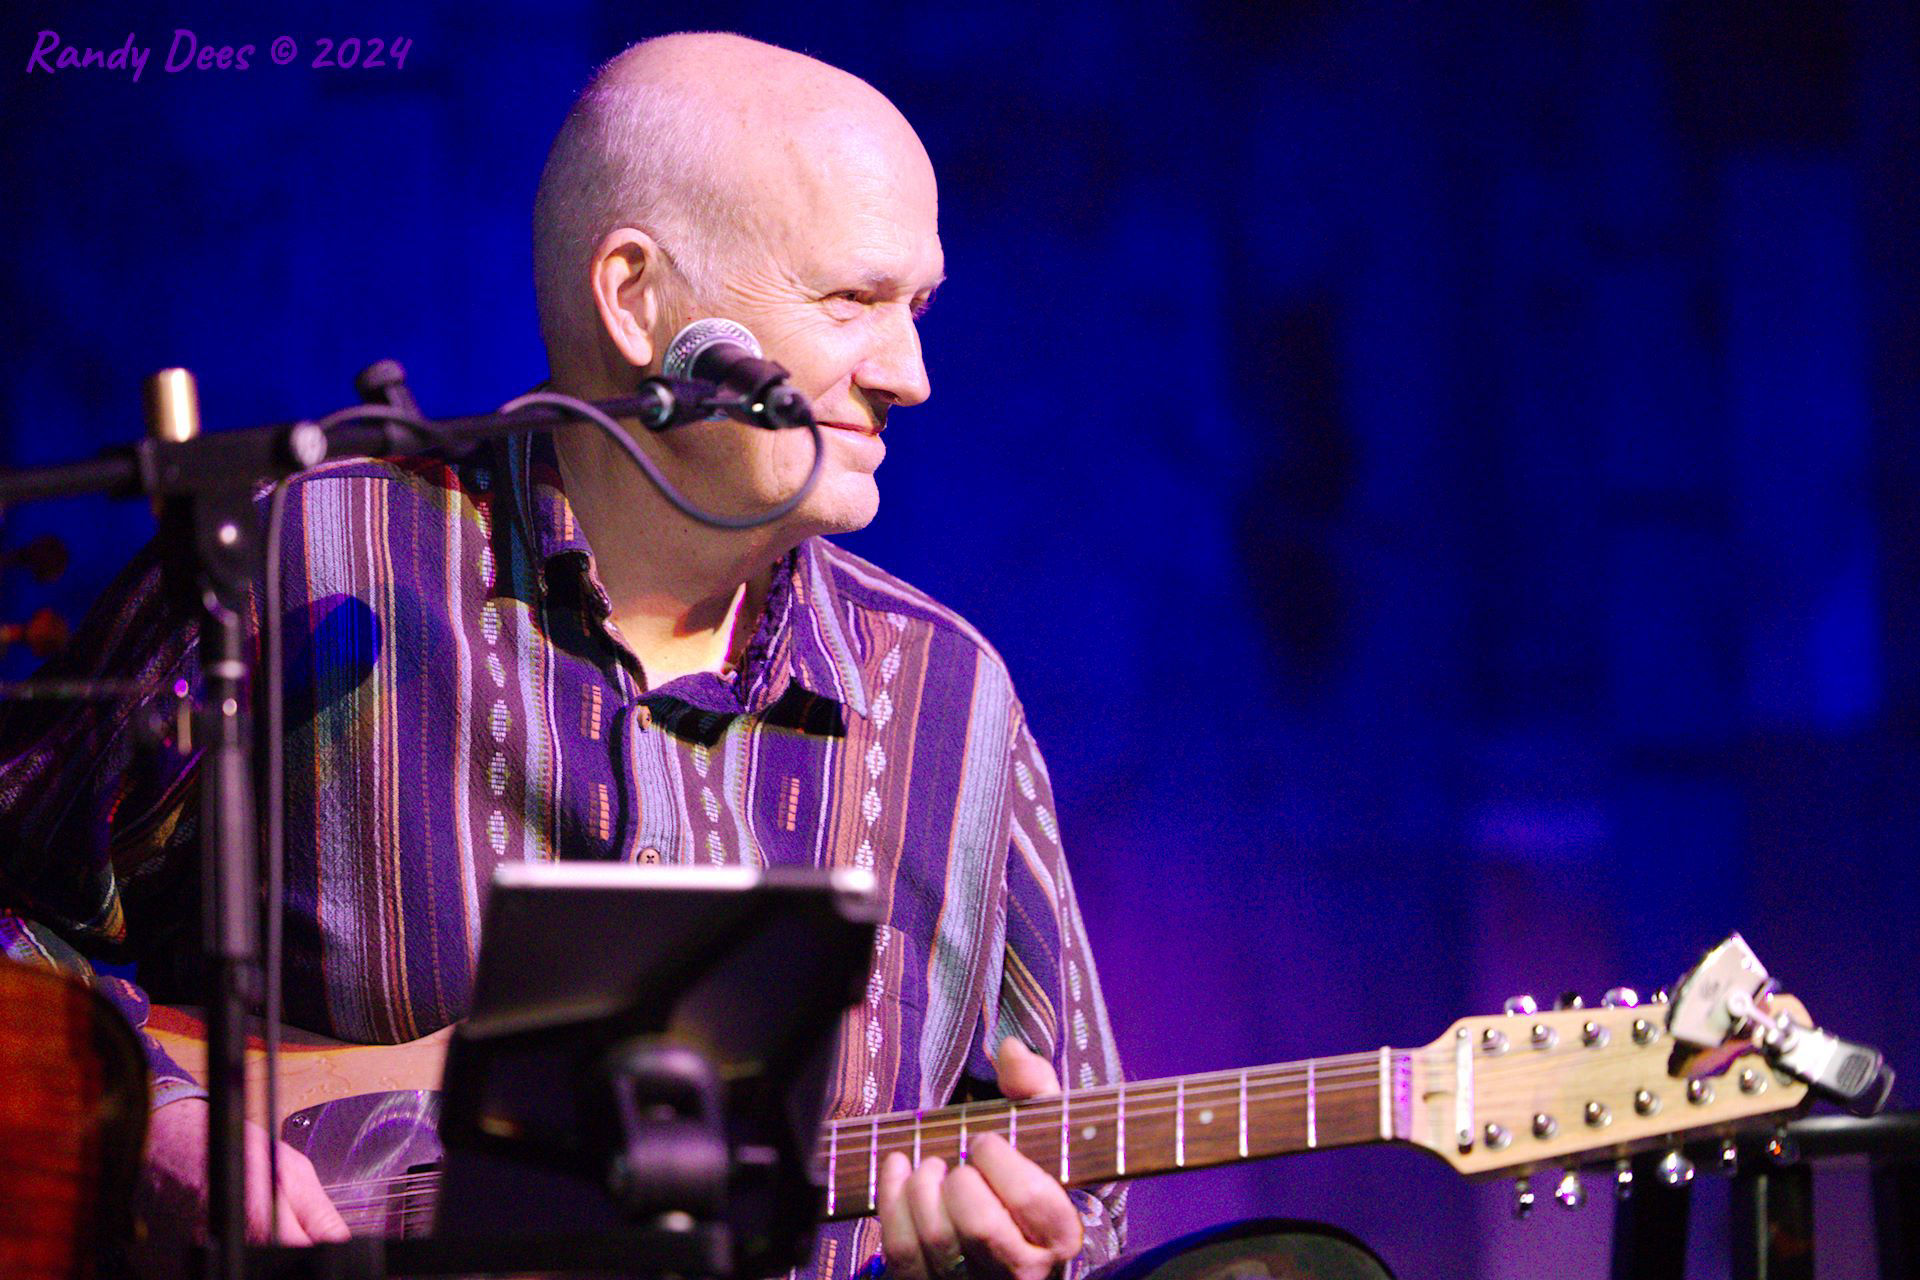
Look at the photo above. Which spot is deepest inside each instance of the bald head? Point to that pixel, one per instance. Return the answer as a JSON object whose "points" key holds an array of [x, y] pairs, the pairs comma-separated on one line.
{"points": [[706, 142]]}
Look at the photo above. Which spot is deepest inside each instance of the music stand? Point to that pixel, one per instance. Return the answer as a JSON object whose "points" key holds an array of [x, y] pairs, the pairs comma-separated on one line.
{"points": [[643, 1072]]}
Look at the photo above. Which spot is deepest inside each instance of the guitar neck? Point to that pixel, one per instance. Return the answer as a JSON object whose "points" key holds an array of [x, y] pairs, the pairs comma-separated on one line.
{"points": [[1140, 1128]]}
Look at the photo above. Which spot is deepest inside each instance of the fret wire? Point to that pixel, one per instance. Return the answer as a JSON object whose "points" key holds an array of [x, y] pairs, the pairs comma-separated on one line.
{"points": [[1065, 1142], [1243, 1115], [1180, 1125], [833, 1165], [873, 1168], [1386, 1097], [1120, 1142], [1312, 1134]]}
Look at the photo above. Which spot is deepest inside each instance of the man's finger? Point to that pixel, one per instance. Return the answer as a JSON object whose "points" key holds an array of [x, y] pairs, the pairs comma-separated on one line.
{"points": [[291, 1231], [1034, 1199], [300, 1189], [898, 1243], [284, 1218], [988, 1229], [1023, 1073], [932, 1225]]}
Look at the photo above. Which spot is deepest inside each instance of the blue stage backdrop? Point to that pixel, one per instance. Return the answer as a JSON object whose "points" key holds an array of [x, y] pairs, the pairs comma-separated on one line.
{"points": [[1444, 477]]}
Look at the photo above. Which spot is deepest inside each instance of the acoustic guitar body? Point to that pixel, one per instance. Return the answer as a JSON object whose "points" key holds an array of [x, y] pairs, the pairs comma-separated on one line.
{"points": [[73, 1121]]}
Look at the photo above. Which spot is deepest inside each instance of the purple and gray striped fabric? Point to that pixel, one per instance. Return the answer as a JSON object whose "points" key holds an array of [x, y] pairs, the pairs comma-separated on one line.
{"points": [[455, 700]]}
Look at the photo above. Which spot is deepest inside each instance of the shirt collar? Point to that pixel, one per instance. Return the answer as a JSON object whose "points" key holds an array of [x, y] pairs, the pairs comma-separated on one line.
{"points": [[805, 630]]}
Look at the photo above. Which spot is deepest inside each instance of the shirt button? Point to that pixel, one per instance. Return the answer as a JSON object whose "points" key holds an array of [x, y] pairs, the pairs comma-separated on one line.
{"points": [[646, 716], [649, 854]]}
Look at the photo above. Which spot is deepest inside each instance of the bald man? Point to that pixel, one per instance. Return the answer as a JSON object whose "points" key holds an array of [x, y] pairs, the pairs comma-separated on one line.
{"points": [[530, 654]]}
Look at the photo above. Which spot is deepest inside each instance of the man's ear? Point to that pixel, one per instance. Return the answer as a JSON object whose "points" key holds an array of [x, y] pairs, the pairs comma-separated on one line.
{"points": [[629, 280]]}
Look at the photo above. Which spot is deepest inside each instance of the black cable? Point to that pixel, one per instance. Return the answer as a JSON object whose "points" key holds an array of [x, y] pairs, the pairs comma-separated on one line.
{"points": [[593, 414]]}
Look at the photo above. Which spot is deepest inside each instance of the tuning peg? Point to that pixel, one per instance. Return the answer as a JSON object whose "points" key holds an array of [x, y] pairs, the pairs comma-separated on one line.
{"points": [[1620, 998], [1521, 1004], [1658, 997], [1729, 1158], [1569, 1000], [1623, 1179], [1675, 1169], [1571, 1193], [1522, 1197]]}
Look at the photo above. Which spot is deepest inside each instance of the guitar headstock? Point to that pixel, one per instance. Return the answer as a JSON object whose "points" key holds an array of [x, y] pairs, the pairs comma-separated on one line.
{"points": [[1578, 1086], [1525, 1090]]}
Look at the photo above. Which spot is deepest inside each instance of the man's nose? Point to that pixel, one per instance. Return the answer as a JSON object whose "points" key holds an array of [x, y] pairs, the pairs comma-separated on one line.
{"points": [[893, 370]]}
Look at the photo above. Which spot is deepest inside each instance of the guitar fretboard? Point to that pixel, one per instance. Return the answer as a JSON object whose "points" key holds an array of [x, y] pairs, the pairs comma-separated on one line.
{"points": [[1083, 1137], [1102, 1134]]}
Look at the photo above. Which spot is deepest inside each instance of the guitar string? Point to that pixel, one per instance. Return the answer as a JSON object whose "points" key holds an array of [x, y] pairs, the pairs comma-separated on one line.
{"points": [[1331, 1071], [1363, 1068], [1041, 1112], [1037, 1110], [412, 1202], [898, 1128]]}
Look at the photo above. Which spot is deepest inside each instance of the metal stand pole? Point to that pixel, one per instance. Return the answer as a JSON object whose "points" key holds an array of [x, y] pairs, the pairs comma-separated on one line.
{"points": [[208, 530], [1896, 1215], [1773, 1222], [1650, 1227]]}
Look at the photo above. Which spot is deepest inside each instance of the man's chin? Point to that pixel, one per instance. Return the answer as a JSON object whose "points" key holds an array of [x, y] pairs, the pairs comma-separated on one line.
{"points": [[842, 504]]}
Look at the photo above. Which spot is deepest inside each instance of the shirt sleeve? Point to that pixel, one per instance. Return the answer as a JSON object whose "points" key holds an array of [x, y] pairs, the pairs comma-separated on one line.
{"points": [[96, 809], [1049, 991]]}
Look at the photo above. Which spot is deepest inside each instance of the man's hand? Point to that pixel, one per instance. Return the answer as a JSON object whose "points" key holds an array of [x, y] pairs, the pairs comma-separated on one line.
{"points": [[173, 1191], [999, 1215]]}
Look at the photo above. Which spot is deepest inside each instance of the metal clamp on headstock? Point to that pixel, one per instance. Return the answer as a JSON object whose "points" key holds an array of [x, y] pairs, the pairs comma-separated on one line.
{"points": [[1724, 1000]]}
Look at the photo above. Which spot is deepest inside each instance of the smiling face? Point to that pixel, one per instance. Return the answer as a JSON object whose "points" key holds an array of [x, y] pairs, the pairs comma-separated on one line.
{"points": [[757, 185], [840, 257]]}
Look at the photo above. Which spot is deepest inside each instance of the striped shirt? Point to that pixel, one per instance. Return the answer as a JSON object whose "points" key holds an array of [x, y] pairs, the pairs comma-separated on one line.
{"points": [[455, 700]]}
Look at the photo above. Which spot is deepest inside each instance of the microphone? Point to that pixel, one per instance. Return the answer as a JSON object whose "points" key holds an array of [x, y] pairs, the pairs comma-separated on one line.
{"points": [[726, 354]]}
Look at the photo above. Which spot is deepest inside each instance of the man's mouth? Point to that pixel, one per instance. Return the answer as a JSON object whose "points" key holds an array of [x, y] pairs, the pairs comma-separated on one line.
{"points": [[858, 428]]}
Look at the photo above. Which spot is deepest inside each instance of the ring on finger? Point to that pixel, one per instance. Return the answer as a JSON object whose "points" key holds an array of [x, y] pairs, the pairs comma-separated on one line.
{"points": [[954, 1268]]}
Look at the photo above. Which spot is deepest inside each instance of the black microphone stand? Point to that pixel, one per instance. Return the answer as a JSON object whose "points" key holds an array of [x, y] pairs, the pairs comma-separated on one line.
{"points": [[203, 488]]}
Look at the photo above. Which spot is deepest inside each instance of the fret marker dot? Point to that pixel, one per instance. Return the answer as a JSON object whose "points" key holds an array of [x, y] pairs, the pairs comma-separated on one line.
{"points": [[1206, 1117], [1088, 1132]]}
